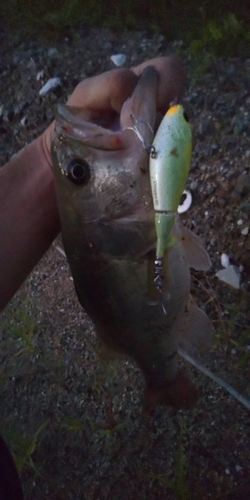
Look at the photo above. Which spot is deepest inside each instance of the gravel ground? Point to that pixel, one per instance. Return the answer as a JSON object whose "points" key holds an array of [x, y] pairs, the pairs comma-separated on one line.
{"points": [[74, 421]]}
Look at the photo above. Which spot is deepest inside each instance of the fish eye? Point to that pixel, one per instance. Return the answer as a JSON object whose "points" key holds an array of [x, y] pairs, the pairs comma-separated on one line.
{"points": [[77, 170], [185, 115]]}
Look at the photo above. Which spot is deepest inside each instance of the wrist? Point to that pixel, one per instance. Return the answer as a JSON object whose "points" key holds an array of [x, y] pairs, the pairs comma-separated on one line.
{"points": [[29, 219]]}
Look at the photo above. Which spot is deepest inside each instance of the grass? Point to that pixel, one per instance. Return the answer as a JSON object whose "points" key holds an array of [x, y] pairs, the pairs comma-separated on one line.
{"points": [[214, 28], [22, 346], [20, 330], [177, 484], [221, 37], [20, 349], [23, 445]]}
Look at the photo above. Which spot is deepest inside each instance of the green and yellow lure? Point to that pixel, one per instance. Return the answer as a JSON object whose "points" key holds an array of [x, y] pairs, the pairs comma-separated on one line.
{"points": [[169, 165]]}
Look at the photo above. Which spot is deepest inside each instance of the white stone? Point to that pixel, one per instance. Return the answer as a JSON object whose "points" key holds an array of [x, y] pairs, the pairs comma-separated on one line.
{"points": [[51, 84], [239, 222], [24, 121], [52, 52], [39, 75], [225, 261], [245, 231], [118, 59], [230, 275]]}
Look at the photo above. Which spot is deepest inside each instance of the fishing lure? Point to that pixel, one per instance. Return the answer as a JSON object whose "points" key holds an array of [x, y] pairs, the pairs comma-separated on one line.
{"points": [[169, 164]]}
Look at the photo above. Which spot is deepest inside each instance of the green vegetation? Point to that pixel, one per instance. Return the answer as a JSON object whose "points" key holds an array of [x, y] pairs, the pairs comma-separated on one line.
{"points": [[30, 352], [20, 351], [23, 445], [220, 28], [217, 37], [177, 484], [222, 36]]}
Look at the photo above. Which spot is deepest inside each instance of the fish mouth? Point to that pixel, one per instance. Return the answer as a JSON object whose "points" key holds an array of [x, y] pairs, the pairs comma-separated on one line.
{"points": [[109, 130], [70, 122]]}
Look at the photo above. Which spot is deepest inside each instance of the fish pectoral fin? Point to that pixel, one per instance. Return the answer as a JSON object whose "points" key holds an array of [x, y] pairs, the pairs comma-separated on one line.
{"points": [[196, 255], [196, 331], [172, 240]]}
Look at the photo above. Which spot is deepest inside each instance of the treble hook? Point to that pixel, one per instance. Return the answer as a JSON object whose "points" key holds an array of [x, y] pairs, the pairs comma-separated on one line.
{"points": [[150, 149], [158, 282]]}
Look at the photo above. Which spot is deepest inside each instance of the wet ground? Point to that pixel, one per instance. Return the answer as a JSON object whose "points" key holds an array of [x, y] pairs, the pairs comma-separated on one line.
{"points": [[73, 421]]}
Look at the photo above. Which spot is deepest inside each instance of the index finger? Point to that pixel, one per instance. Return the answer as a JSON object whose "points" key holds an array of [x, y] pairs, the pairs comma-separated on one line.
{"points": [[105, 92]]}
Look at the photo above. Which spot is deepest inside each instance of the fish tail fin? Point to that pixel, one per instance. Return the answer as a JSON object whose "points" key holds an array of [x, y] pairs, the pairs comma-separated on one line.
{"points": [[180, 393]]}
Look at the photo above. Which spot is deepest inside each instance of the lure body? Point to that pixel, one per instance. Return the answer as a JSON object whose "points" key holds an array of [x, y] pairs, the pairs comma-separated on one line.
{"points": [[169, 166]]}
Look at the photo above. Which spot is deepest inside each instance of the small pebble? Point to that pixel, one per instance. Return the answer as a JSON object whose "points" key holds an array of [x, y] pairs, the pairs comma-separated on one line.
{"points": [[238, 468], [221, 201], [193, 185], [239, 222], [24, 121], [52, 52], [225, 261], [245, 231], [230, 275], [39, 75], [243, 184], [51, 84], [17, 59], [118, 59], [227, 471]]}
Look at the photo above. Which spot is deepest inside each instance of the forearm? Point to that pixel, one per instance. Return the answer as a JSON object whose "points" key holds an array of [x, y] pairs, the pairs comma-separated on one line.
{"points": [[29, 219]]}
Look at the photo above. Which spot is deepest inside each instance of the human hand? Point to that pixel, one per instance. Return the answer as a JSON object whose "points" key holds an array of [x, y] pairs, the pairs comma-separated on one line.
{"points": [[102, 97], [29, 219]]}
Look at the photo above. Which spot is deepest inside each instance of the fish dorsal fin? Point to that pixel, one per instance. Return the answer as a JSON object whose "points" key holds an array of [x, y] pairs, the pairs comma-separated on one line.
{"points": [[196, 255], [195, 331]]}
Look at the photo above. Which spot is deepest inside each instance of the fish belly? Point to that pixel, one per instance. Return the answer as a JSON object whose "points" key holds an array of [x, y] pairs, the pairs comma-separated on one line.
{"points": [[111, 277]]}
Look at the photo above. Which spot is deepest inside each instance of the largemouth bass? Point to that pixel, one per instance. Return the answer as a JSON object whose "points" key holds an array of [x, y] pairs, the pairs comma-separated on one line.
{"points": [[108, 230]]}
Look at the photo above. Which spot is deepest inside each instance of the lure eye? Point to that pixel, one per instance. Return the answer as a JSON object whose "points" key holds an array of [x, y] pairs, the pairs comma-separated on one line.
{"points": [[185, 115], [78, 171], [186, 202]]}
